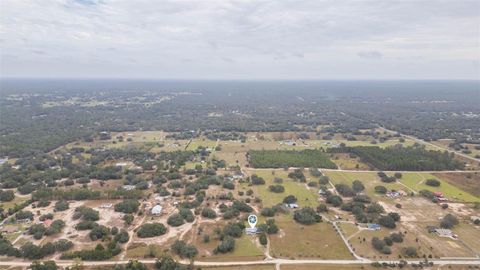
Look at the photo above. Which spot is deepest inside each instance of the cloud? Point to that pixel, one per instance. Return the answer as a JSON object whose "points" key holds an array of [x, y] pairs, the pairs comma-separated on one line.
{"points": [[313, 39], [370, 54]]}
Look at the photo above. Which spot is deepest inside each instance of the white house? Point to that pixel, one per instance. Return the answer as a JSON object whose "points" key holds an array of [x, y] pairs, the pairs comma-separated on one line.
{"points": [[156, 210]]}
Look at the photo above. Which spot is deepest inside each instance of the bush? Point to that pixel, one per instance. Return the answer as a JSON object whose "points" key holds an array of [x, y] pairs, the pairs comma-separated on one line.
{"points": [[61, 206], [208, 213], [324, 180], [268, 212], [175, 220], [6, 196], [306, 216], [410, 252], [334, 200], [263, 239], [186, 214], [381, 189], [344, 190], [63, 245], [358, 186], [276, 188], [255, 180], [290, 199], [387, 221], [449, 221], [432, 182], [122, 236], [227, 245], [151, 230], [127, 206], [183, 250]]}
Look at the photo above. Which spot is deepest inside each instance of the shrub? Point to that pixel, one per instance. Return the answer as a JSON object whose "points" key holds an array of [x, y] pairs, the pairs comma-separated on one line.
{"points": [[432, 182], [61, 206], [263, 239], [276, 188], [127, 206], [290, 199], [449, 221], [227, 245], [151, 230], [175, 220], [381, 189], [208, 213], [306, 216]]}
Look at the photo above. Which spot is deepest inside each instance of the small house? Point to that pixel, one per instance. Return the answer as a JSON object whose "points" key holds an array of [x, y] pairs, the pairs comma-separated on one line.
{"points": [[445, 233], [292, 205], [156, 210], [373, 226]]}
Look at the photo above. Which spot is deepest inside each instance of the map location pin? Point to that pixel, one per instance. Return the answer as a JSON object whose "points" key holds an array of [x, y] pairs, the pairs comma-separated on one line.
{"points": [[252, 221]]}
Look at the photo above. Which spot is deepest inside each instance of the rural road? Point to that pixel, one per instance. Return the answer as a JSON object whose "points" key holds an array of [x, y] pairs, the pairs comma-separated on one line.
{"points": [[433, 145], [258, 262]]}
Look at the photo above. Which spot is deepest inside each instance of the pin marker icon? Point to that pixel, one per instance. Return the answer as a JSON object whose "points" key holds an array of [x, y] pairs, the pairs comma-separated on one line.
{"points": [[252, 221]]}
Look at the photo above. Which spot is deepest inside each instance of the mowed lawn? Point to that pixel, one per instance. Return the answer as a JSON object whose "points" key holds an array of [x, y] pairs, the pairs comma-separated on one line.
{"points": [[416, 181], [245, 250], [369, 179], [305, 196], [317, 241]]}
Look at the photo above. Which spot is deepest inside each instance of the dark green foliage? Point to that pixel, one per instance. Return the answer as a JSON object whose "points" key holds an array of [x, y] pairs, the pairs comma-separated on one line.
{"points": [[208, 213], [387, 221], [63, 245], [263, 239], [344, 190], [186, 214], [432, 182], [98, 232], [175, 220], [290, 199], [406, 158], [306, 216], [127, 206], [357, 186], [7, 195], [381, 189], [183, 250], [268, 212], [334, 200], [151, 230], [61, 206], [47, 265], [448, 221], [288, 158], [297, 175], [226, 245], [87, 213], [255, 180], [122, 236], [276, 188]]}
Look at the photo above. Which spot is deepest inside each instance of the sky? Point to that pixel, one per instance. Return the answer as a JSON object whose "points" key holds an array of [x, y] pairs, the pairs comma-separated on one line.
{"points": [[201, 39]]}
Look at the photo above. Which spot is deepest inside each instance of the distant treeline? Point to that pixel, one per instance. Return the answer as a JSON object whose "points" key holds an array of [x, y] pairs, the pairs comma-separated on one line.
{"points": [[290, 158], [79, 194], [400, 158]]}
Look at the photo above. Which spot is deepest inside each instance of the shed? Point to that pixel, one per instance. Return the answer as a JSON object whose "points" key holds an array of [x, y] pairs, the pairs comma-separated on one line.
{"points": [[156, 210], [373, 226]]}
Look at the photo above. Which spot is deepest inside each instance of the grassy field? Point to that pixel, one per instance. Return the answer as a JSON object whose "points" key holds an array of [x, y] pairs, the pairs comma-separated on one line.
{"points": [[245, 250], [416, 181], [306, 197], [16, 200], [318, 241], [464, 181], [369, 180]]}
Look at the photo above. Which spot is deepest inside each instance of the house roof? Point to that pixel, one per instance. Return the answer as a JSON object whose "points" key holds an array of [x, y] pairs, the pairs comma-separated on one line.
{"points": [[157, 209]]}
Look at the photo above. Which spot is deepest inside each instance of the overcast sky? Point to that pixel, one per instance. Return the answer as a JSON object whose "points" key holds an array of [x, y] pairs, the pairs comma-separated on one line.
{"points": [[222, 39]]}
